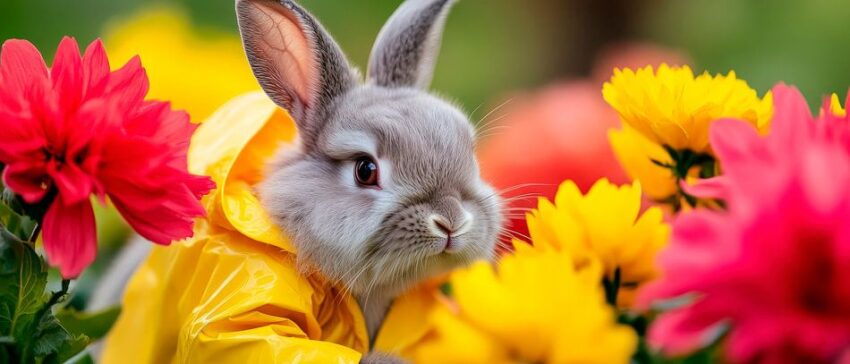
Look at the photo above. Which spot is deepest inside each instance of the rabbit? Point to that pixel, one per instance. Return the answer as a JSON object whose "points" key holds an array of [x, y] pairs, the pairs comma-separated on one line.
{"points": [[382, 189]]}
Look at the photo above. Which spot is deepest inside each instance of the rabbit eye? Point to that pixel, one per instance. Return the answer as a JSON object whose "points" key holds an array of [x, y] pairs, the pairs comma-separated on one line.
{"points": [[366, 172]]}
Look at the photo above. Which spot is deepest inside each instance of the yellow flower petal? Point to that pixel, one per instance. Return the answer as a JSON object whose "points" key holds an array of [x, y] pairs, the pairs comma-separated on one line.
{"points": [[835, 106], [534, 307], [603, 225], [636, 154], [669, 106], [462, 341]]}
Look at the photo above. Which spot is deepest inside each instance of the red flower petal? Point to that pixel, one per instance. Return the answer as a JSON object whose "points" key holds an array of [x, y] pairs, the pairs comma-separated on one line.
{"points": [[26, 179], [160, 215], [96, 67], [74, 185], [70, 238], [129, 85], [89, 123], [67, 76], [84, 130], [21, 65], [21, 136]]}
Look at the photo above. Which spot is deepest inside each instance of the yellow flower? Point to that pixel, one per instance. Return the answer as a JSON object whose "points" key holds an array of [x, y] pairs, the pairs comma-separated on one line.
{"points": [[605, 224], [197, 72], [636, 154], [671, 107], [534, 308], [835, 106]]}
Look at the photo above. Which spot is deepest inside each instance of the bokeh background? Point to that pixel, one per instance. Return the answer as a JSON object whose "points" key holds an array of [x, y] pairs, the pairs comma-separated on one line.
{"points": [[529, 71], [498, 46]]}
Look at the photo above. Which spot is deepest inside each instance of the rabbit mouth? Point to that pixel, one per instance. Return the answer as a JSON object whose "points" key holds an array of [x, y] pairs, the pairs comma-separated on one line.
{"points": [[454, 244], [448, 247]]}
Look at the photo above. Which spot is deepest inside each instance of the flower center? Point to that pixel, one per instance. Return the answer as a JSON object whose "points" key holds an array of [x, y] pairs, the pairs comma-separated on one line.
{"points": [[58, 158], [50, 155], [56, 161]]}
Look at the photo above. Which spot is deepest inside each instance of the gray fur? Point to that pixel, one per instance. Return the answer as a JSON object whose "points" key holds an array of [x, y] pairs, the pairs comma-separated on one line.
{"points": [[406, 50], [381, 358], [378, 242]]}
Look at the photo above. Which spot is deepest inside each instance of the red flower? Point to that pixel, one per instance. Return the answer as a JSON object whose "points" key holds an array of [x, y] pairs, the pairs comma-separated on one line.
{"points": [[77, 130]]}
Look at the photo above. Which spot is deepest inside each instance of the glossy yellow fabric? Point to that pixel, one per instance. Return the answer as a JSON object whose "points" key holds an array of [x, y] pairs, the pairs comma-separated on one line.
{"points": [[232, 292]]}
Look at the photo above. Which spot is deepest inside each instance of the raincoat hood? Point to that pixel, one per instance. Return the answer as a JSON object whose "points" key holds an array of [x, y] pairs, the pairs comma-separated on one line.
{"points": [[232, 293], [235, 155]]}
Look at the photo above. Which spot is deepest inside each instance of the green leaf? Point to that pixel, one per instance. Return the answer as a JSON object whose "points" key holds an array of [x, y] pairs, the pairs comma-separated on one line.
{"points": [[30, 330], [95, 325], [22, 289], [49, 336], [71, 351], [34, 211], [18, 225]]}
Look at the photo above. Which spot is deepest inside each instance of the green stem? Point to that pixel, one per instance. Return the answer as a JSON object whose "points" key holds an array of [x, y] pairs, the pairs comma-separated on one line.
{"points": [[612, 287], [57, 296], [683, 161], [35, 232]]}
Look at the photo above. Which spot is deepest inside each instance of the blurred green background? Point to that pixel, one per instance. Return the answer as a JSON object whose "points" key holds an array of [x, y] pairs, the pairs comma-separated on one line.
{"points": [[492, 49], [495, 46]]}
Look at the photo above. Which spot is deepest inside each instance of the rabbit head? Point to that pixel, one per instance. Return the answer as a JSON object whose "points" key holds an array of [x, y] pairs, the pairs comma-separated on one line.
{"points": [[383, 188]]}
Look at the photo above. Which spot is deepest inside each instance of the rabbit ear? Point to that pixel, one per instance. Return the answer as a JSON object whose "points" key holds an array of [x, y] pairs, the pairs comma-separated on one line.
{"points": [[406, 50], [294, 59]]}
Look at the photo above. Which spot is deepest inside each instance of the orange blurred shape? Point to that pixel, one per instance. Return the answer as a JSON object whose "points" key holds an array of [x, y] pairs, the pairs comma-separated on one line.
{"points": [[558, 133]]}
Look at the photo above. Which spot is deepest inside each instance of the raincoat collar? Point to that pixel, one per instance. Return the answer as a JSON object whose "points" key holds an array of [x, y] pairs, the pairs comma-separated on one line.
{"points": [[233, 147]]}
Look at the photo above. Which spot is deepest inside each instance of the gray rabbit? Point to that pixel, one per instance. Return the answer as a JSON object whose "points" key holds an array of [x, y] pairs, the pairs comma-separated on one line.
{"points": [[383, 189]]}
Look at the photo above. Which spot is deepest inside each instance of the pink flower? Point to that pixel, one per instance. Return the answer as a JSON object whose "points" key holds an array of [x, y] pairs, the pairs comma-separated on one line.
{"points": [[774, 269], [77, 130]]}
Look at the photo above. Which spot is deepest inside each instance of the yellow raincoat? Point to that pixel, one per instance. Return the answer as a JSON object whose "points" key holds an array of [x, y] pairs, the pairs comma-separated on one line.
{"points": [[232, 294]]}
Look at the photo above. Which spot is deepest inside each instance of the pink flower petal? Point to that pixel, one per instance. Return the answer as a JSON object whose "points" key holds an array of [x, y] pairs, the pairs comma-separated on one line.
{"points": [[734, 140], [792, 118], [674, 335], [707, 188], [773, 264], [70, 238], [824, 185]]}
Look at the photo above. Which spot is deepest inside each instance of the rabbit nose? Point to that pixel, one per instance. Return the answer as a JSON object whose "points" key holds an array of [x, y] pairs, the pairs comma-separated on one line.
{"points": [[442, 227], [439, 226]]}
